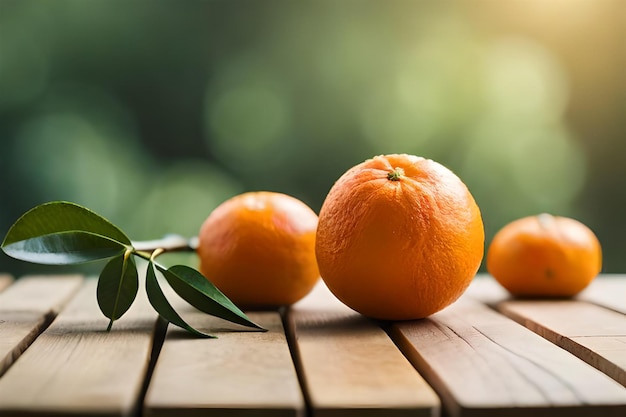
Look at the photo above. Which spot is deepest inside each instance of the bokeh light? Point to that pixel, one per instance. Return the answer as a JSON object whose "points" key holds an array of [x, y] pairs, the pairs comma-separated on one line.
{"points": [[522, 171], [154, 116], [179, 198], [80, 146], [24, 66], [524, 82], [247, 114]]}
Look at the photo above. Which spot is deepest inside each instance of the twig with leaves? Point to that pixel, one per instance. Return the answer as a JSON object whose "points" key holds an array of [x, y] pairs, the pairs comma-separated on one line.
{"points": [[64, 233]]}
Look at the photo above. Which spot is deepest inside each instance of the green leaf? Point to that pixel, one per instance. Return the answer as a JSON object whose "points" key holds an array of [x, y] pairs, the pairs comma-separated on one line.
{"points": [[62, 216], [64, 248], [162, 306], [117, 287], [59, 233], [198, 291]]}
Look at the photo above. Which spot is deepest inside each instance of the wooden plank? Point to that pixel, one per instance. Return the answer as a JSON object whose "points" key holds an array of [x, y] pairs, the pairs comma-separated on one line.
{"points": [[240, 373], [5, 281], [608, 291], [76, 368], [594, 334], [349, 366], [486, 289], [484, 364], [590, 332], [26, 308]]}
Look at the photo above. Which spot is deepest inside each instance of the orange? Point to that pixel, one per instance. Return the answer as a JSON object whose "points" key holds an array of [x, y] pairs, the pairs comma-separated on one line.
{"points": [[399, 237], [544, 255], [258, 248]]}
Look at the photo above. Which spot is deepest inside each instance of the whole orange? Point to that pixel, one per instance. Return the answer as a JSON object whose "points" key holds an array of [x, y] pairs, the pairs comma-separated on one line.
{"points": [[399, 237], [258, 248], [544, 255]]}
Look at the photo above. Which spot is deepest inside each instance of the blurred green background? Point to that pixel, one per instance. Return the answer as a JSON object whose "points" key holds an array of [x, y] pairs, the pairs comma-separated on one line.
{"points": [[153, 112]]}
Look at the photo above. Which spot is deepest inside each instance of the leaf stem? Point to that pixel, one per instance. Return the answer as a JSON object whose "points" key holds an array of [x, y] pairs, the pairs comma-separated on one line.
{"points": [[156, 253], [143, 254], [151, 255], [170, 243]]}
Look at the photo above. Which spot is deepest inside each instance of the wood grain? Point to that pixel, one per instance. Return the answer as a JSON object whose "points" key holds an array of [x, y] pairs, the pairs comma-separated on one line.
{"points": [[608, 291], [484, 364], [349, 366], [26, 308], [590, 332], [76, 368], [485, 288], [5, 281], [241, 373]]}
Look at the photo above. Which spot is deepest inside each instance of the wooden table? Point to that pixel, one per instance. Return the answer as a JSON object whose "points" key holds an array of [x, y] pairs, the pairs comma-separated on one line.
{"points": [[486, 355]]}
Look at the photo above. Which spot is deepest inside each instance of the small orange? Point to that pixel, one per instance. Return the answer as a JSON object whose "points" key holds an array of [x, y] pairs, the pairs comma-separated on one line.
{"points": [[544, 255], [258, 248], [399, 237]]}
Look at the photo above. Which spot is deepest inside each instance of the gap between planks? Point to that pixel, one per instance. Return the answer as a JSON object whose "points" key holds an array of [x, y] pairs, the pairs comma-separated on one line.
{"points": [[590, 332], [593, 330], [76, 368], [241, 373], [483, 364], [27, 307], [348, 366]]}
